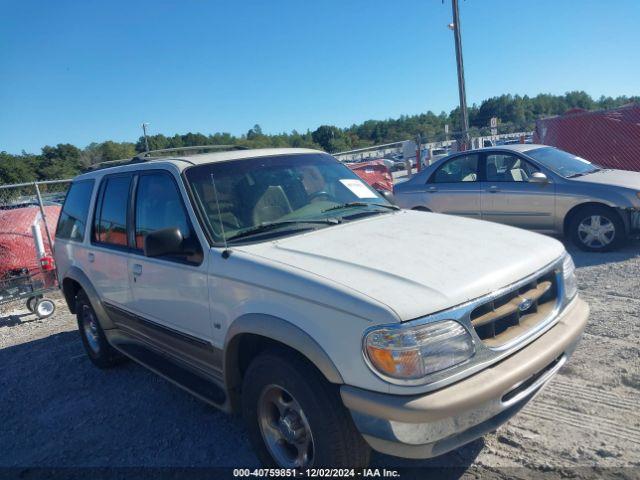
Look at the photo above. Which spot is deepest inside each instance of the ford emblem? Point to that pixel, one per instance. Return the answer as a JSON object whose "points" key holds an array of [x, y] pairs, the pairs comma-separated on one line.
{"points": [[525, 304]]}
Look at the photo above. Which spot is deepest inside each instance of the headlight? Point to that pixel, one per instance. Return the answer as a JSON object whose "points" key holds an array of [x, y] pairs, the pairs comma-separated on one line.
{"points": [[414, 352], [569, 275]]}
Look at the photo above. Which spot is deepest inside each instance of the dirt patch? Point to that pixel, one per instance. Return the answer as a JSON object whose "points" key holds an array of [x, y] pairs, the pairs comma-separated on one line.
{"points": [[60, 411]]}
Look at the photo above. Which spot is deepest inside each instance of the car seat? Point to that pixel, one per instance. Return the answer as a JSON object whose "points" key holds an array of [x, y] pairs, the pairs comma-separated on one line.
{"points": [[518, 175], [272, 205]]}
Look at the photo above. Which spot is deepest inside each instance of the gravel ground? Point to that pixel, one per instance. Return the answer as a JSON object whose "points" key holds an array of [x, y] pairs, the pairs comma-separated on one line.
{"points": [[57, 410]]}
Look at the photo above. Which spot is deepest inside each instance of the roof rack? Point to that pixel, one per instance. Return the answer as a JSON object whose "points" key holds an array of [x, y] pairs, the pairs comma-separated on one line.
{"points": [[152, 155]]}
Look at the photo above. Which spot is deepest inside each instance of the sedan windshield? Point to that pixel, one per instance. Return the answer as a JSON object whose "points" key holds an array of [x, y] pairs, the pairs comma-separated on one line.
{"points": [[561, 162], [259, 198]]}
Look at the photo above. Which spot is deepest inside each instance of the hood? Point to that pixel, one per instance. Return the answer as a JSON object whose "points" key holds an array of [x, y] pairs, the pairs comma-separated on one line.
{"points": [[413, 262], [617, 178]]}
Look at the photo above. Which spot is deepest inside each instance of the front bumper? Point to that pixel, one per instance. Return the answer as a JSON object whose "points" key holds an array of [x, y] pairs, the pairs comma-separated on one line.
{"points": [[423, 426]]}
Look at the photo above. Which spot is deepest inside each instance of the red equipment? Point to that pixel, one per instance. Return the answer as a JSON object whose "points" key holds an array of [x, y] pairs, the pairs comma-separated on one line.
{"points": [[17, 249], [375, 173]]}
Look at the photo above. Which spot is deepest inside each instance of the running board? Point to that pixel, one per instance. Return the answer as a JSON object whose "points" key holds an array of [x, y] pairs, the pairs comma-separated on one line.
{"points": [[204, 388]]}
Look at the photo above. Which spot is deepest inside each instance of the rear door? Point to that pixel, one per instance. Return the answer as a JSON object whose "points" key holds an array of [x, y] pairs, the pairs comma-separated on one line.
{"points": [[508, 197], [454, 188], [107, 259]]}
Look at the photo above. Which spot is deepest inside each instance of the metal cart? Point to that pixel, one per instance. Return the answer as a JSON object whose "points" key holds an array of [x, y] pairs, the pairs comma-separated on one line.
{"points": [[32, 286]]}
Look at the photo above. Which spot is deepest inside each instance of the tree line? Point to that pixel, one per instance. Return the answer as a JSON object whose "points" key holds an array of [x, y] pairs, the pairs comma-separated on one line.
{"points": [[514, 112]]}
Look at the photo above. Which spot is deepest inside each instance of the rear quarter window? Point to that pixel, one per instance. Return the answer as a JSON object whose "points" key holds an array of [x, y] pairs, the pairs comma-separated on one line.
{"points": [[73, 218]]}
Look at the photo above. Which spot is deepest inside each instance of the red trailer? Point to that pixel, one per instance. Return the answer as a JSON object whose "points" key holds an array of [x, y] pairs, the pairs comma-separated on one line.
{"points": [[609, 138]]}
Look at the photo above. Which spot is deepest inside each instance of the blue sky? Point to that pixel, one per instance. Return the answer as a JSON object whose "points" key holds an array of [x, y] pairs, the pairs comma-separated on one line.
{"points": [[81, 71]]}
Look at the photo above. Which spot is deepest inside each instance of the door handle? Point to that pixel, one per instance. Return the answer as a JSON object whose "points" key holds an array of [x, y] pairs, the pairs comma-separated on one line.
{"points": [[91, 256], [137, 269], [432, 189], [493, 189]]}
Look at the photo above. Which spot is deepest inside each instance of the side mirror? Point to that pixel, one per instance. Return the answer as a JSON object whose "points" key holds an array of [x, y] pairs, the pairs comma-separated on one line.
{"points": [[388, 196], [167, 241], [538, 177]]}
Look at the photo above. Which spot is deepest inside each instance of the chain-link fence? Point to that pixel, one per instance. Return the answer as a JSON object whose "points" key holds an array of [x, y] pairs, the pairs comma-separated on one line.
{"points": [[28, 217]]}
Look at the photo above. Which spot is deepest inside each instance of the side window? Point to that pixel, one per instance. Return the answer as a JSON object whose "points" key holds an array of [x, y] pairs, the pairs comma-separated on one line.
{"points": [[73, 218], [504, 167], [159, 205], [459, 169], [111, 218]]}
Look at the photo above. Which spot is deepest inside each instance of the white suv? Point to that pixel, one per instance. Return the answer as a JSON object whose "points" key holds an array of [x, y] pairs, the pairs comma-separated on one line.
{"points": [[261, 282]]}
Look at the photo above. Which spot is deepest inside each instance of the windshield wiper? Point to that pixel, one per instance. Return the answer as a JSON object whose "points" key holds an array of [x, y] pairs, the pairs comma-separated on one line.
{"points": [[267, 226], [360, 204], [580, 174]]}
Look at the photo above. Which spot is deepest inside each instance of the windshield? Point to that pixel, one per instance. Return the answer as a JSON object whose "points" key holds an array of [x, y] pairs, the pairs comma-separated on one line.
{"points": [[257, 198], [561, 162]]}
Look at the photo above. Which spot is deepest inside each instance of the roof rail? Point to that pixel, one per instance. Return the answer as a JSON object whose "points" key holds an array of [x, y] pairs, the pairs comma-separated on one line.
{"points": [[113, 163], [153, 153], [149, 156]]}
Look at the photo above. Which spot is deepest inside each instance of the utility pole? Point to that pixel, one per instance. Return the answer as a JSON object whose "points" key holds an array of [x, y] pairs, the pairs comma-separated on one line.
{"points": [[464, 117], [146, 141]]}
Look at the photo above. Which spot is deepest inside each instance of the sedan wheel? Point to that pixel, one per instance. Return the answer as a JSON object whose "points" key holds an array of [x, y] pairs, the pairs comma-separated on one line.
{"points": [[596, 231]]}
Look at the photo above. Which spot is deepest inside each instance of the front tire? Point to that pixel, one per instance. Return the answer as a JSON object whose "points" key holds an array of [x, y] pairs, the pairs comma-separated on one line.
{"points": [[101, 354], [597, 229], [295, 417]]}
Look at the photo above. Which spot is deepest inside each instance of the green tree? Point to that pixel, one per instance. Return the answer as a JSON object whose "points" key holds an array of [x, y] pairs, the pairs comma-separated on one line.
{"points": [[325, 136]]}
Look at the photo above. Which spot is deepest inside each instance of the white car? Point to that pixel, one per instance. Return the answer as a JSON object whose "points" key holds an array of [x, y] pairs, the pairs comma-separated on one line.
{"points": [[260, 281]]}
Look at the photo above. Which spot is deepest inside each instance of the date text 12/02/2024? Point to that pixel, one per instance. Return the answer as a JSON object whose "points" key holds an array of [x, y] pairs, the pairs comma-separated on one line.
{"points": [[316, 473]]}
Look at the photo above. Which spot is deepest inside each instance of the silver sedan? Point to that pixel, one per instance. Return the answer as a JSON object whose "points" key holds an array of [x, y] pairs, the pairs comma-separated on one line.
{"points": [[536, 187]]}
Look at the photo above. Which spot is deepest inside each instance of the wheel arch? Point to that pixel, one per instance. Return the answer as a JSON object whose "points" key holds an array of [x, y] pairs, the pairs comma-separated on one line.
{"points": [[75, 280], [568, 218], [251, 334]]}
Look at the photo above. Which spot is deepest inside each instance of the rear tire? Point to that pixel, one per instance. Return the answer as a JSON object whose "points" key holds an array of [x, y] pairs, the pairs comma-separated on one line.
{"points": [[100, 352], [288, 405], [597, 229]]}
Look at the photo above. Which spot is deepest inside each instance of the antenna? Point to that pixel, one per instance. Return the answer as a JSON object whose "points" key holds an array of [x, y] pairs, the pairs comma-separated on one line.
{"points": [[225, 254]]}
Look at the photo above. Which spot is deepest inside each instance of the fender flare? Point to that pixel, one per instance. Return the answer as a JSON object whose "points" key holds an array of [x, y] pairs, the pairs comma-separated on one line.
{"points": [[77, 275], [282, 331]]}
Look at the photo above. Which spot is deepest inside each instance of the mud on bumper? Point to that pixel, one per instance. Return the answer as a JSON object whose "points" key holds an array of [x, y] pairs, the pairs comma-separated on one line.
{"points": [[423, 426]]}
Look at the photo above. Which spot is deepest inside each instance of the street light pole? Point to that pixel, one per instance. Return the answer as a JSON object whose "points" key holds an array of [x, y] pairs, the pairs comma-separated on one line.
{"points": [[464, 117], [146, 141]]}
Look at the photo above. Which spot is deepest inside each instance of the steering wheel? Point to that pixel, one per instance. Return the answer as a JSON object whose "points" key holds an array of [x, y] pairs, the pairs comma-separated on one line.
{"points": [[322, 193]]}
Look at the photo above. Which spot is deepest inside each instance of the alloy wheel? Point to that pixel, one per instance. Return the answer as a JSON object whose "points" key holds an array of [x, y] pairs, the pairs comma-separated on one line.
{"points": [[596, 231], [285, 428], [90, 327]]}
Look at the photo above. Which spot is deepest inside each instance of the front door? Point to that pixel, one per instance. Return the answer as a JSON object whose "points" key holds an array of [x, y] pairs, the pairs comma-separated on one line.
{"points": [[508, 197], [454, 188], [170, 293]]}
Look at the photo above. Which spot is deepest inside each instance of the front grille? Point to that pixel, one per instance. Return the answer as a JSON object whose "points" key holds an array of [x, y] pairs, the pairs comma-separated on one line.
{"points": [[512, 314]]}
